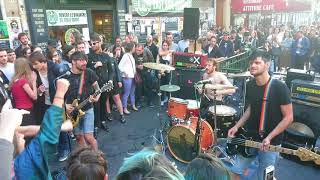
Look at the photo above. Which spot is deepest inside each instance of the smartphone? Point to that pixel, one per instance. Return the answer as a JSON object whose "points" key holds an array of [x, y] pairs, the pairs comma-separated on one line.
{"points": [[269, 173]]}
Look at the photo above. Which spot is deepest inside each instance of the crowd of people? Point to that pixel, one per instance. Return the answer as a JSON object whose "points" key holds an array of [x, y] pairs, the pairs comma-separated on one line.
{"points": [[43, 83]]}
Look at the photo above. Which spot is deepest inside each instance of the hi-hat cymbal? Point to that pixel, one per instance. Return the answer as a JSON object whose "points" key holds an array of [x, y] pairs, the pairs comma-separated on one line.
{"points": [[216, 86], [158, 66], [240, 75], [169, 88]]}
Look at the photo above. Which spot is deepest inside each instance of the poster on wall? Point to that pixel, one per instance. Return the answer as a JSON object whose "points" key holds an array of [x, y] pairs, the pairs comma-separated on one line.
{"points": [[4, 34], [14, 28]]}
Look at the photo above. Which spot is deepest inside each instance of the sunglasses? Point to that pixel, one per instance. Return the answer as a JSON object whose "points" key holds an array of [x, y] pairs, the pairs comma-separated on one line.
{"points": [[94, 43]]}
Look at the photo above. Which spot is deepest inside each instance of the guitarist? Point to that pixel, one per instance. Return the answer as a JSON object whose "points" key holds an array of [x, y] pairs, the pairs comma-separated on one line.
{"points": [[83, 83], [268, 113]]}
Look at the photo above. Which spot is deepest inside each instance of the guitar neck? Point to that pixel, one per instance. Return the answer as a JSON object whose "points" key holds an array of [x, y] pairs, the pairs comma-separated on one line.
{"points": [[83, 103], [273, 148]]}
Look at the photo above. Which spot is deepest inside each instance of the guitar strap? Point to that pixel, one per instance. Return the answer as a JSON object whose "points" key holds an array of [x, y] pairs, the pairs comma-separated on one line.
{"points": [[263, 114], [81, 84]]}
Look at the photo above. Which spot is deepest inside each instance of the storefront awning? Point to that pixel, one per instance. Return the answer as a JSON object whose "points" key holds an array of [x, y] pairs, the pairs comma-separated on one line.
{"points": [[251, 6]]}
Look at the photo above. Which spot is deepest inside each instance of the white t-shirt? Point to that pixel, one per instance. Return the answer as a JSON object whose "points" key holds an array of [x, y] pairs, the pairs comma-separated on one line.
{"points": [[45, 82], [8, 70]]}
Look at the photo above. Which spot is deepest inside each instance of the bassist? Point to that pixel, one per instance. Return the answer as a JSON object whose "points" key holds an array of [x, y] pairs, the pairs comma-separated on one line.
{"points": [[83, 83], [268, 113]]}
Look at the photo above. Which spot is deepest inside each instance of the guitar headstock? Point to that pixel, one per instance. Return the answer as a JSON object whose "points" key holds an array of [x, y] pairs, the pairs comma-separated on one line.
{"points": [[107, 87], [307, 155]]}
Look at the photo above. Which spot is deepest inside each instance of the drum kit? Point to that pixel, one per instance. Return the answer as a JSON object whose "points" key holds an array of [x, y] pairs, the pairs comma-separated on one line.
{"points": [[189, 134]]}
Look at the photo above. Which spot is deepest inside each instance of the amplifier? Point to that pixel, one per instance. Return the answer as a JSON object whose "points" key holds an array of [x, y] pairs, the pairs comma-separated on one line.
{"points": [[293, 74], [308, 91], [189, 60]]}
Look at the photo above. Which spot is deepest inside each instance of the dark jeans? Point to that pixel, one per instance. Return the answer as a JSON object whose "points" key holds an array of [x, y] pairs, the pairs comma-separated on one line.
{"points": [[145, 88], [299, 61], [64, 142]]}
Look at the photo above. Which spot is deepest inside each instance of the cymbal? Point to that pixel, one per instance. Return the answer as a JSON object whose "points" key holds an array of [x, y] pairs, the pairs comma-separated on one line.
{"points": [[302, 128], [216, 86], [158, 66], [169, 88], [240, 75]]}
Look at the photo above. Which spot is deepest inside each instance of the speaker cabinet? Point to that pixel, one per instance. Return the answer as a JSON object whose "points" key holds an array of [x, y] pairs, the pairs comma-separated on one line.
{"points": [[191, 22], [307, 115], [186, 78]]}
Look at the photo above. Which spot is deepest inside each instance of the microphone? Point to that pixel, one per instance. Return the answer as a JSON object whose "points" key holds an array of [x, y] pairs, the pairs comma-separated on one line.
{"points": [[204, 81], [65, 74]]}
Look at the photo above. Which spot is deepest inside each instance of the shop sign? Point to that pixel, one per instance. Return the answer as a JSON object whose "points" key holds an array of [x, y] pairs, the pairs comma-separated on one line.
{"points": [[245, 6], [144, 7], [66, 17]]}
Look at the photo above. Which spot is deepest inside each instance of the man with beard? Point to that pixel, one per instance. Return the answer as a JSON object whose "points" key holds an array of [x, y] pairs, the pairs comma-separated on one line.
{"points": [[143, 55], [6, 67], [24, 40], [100, 63], [215, 78], [268, 113], [83, 83], [152, 47]]}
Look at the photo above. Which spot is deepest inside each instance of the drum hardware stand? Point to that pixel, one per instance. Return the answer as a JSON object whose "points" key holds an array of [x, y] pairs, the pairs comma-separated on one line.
{"points": [[161, 140], [226, 157]]}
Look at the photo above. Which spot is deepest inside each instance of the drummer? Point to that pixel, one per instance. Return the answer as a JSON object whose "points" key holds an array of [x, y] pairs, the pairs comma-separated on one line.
{"points": [[211, 72]]}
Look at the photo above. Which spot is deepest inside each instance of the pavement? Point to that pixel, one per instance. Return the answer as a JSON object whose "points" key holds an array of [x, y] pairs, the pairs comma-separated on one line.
{"points": [[141, 130]]}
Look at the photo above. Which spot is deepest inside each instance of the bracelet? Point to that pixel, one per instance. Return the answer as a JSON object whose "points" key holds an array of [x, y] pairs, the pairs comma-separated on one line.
{"points": [[58, 97]]}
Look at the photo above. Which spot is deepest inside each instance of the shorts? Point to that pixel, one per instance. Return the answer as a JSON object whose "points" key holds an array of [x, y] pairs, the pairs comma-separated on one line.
{"points": [[86, 123], [115, 90]]}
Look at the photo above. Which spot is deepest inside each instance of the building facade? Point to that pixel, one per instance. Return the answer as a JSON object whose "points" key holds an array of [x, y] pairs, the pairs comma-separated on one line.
{"points": [[44, 19]]}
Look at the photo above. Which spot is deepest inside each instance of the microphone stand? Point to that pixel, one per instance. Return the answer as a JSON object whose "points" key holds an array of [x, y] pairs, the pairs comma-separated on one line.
{"points": [[196, 143]]}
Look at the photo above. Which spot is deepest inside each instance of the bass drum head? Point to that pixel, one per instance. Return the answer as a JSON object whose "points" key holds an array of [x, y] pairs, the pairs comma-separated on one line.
{"points": [[180, 141]]}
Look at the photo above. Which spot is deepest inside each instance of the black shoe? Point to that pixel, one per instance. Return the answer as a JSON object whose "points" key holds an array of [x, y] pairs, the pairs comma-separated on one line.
{"points": [[122, 119], [95, 132], [104, 126], [109, 116]]}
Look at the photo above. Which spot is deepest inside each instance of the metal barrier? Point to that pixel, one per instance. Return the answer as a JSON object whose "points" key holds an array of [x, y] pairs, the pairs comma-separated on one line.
{"points": [[235, 64]]}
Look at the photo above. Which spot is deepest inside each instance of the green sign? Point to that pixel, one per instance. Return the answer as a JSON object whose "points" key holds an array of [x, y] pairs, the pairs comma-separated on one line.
{"points": [[144, 7], [4, 34]]}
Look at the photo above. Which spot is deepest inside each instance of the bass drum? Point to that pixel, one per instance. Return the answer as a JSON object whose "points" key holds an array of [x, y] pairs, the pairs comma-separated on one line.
{"points": [[181, 138]]}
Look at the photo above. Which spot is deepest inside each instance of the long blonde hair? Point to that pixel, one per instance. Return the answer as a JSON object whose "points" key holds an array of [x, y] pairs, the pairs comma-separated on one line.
{"points": [[21, 69]]}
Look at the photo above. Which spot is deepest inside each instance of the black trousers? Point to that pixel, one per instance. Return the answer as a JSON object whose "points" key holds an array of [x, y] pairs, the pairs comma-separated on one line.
{"points": [[99, 108]]}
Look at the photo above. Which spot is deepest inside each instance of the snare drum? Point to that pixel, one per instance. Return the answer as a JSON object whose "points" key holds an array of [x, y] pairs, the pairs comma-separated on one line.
{"points": [[177, 108], [193, 108], [225, 119], [181, 138]]}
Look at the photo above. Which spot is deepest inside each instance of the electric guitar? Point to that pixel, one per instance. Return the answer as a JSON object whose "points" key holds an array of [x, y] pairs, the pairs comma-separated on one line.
{"points": [[235, 145], [77, 113]]}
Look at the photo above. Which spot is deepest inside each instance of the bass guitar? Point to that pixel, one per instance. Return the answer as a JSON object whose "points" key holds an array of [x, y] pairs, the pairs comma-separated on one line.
{"points": [[77, 113], [242, 146]]}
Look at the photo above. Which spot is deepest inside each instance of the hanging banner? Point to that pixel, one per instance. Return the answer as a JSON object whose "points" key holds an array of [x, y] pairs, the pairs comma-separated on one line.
{"points": [[247, 6], [144, 7], [66, 17]]}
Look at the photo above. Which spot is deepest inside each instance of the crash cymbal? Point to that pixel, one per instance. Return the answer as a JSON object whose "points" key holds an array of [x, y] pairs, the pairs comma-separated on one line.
{"points": [[158, 66], [216, 86], [240, 75], [169, 88]]}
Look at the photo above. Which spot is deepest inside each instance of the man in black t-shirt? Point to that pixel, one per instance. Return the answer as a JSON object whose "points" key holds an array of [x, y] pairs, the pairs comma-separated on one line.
{"points": [[80, 75], [101, 64], [273, 111]]}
